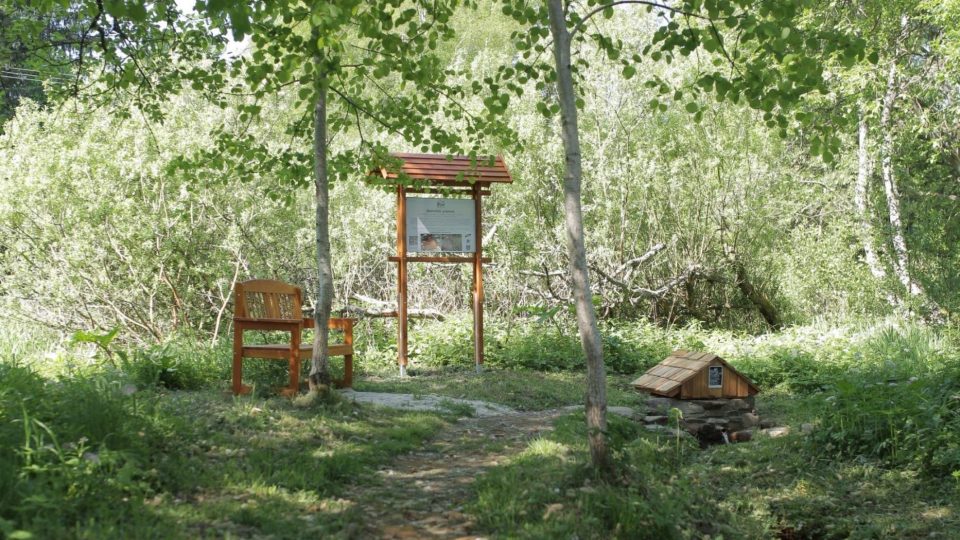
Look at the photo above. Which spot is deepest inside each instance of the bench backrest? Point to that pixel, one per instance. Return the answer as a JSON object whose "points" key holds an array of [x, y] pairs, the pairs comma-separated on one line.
{"points": [[268, 299]]}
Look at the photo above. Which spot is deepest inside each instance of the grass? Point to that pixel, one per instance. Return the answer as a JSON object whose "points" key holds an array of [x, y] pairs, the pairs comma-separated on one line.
{"points": [[90, 457], [882, 460], [522, 389], [98, 447], [764, 489]]}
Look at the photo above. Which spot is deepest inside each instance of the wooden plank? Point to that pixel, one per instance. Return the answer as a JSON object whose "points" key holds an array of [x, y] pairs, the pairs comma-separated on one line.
{"points": [[267, 286], [683, 363], [672, 373], [456, 179], [402, 278], [444, 190], [410, 167], [668, 386], [478, 280], [281, 351], [439, 259]]}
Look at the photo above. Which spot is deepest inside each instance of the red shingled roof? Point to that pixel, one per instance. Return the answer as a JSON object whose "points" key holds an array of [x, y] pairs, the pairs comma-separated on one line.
{"points": [[453, 170]]}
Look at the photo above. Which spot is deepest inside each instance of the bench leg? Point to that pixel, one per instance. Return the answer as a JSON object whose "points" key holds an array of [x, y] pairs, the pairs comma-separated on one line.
{"points": [[238, 387], [347, 371], [294, 387]]}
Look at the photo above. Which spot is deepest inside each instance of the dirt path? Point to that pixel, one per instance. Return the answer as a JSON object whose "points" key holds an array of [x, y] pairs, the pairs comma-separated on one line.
{"points": [[421, 494]]}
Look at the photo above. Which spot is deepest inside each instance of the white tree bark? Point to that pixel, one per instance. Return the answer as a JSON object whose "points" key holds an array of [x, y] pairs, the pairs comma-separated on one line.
{"points": [[320, 362], [596, 399], [901, 259], [861, 189]]}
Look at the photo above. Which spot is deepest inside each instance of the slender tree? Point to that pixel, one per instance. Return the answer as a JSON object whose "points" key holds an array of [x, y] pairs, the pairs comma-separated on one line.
{"points": [[759, 53]]}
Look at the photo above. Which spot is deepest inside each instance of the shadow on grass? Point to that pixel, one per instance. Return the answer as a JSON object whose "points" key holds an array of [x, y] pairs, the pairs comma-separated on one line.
{"points": [[784, 487], [267, 467]]}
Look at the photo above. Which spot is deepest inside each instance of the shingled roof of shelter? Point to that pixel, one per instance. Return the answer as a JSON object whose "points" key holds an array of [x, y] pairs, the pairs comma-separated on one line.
{"points": [[666, 377], [444, 169]]}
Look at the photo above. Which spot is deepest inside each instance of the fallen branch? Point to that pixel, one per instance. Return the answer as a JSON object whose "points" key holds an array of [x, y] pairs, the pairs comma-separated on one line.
{"points": [[369, 300], [636, 294], [551, 273], [635, 262], [655, 294]]}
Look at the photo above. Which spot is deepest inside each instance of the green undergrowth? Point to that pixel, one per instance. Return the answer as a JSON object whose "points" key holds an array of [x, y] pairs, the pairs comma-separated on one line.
{"points": [[669, 488], [94, 456], [101, 441]]}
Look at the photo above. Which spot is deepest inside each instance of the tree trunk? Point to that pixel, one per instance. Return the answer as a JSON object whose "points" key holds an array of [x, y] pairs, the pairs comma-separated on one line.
{"points": [[901, 260], [320, 363], [766, 308], [596, 400], [861, 190]]}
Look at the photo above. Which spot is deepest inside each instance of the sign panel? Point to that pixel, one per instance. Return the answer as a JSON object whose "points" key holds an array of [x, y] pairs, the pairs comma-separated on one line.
{"points": [[441, 225]]}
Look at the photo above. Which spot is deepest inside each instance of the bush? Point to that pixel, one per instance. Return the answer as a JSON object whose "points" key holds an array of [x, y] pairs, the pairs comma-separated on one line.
{"points": [[530, 343], [177, 365], [895, 398], [913, 422], [70, 449]]}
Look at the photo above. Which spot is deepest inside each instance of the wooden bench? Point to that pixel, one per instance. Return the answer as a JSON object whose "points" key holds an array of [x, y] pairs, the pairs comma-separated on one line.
{"points": [[263, 304]]}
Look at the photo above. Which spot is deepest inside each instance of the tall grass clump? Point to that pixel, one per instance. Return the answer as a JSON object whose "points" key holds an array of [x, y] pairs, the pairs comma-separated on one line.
{"points": [[900, 404], [72, 450], [524, 342]]}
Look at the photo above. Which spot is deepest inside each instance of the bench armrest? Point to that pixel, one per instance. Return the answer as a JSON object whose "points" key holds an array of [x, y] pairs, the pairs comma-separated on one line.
{"points": [[249, 323], [335, 323]]}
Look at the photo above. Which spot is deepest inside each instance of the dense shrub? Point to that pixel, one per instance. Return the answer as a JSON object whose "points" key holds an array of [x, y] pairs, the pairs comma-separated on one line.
{"points": [[73, 448], [553, 345], [913, 421]]}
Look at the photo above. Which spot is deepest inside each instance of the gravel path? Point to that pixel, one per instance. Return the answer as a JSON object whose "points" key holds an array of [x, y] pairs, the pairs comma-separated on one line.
{"points": [[415, 402]]}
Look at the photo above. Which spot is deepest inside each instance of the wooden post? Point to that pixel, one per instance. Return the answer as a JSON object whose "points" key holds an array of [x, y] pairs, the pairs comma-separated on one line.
{"points": [[402, 279], [478, 280]]}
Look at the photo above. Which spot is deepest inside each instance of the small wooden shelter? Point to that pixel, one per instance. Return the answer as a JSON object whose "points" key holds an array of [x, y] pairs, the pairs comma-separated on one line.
{"points": [[445, 178], [695, 375]]}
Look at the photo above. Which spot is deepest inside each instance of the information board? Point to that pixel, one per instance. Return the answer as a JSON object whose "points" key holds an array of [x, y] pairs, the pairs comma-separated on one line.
{"points": [[441, 225]]}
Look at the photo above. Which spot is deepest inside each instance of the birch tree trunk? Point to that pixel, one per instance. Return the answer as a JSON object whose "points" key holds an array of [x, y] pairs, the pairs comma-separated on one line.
{"points": [[320, 362], [861, 189], [596, 400], [901, 260]]}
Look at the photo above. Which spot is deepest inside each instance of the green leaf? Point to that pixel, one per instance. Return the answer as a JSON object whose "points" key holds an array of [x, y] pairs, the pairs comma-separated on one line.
{"points": [[692, 107], [629, 71]]}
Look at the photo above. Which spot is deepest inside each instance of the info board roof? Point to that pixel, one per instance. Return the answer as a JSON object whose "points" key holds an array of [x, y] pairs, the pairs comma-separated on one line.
{"points": [[445, 170]]}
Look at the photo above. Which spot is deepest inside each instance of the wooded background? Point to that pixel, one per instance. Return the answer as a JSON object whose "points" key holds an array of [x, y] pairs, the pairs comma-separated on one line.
{"points": [[721, 222]]}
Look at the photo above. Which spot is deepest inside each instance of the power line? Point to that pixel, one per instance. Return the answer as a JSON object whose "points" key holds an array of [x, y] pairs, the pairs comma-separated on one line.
{"points": [[30, 75]]}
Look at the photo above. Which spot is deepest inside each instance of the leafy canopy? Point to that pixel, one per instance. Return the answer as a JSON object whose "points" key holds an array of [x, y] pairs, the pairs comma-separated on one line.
{"points": [[763, 54]]}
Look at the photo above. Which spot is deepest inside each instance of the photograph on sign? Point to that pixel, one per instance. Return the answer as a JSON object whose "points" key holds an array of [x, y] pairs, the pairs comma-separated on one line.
{"points": [[440, 225]]}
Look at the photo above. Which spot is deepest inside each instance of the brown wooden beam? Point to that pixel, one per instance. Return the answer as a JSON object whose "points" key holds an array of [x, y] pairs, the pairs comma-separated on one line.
{"points": [[437, 259], [478, 279], [402, 279], [447, 191]]}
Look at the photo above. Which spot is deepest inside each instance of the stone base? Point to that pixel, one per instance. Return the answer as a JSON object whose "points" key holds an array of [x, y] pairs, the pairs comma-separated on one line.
{"points": [[708, 419]]}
